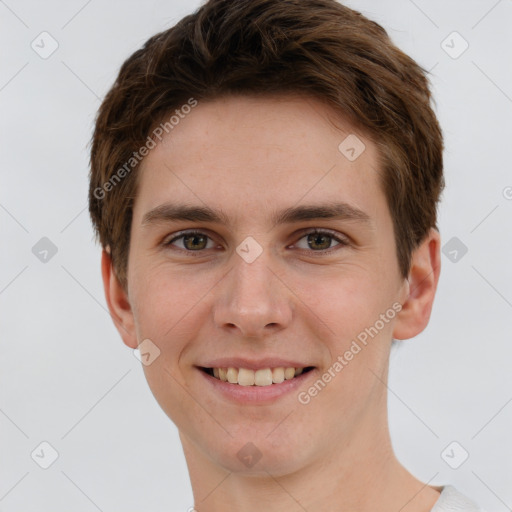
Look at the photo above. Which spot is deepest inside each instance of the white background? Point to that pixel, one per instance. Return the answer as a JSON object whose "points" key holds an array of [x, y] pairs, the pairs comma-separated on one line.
{"points": [[66, 377]]}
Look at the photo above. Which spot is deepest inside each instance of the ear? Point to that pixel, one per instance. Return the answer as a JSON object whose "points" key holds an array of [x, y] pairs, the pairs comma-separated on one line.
{"points": [[118, 302], [422, 284]]}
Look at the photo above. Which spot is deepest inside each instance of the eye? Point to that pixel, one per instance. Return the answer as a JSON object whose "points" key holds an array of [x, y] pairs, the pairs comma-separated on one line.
{"points": [[320, 240], [192, 241]]}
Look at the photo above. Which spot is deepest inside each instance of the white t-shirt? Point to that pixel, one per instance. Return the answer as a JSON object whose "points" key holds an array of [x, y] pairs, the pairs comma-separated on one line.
{"points": [[452, 500]]}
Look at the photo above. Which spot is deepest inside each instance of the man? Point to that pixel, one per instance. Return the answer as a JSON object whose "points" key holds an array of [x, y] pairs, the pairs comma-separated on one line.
{"points": [[264, 183]]}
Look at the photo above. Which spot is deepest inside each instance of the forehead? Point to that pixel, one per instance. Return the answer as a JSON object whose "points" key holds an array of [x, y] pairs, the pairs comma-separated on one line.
{"points": [[249, 155]]}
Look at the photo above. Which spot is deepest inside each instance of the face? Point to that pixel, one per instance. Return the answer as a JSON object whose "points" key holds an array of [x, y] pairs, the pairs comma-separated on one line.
{"points": [[246, 283]]}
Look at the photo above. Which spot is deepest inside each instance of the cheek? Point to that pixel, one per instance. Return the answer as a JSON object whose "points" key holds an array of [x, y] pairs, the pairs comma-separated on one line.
{"points": [[166, 308], [351, 306], [345, 300], [165, 300], [358, 347]]}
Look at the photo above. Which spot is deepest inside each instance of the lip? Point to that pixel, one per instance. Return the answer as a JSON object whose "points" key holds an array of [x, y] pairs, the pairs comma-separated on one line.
{"points": [[253, 395], [260, 364]]}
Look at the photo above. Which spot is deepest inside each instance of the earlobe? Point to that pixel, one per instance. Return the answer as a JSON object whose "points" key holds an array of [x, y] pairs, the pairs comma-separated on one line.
{"points": [[118, 302], [422, 282]]}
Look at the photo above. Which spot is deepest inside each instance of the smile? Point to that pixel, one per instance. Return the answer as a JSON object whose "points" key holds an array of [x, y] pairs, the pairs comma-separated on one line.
{"points": [[261, 377]]}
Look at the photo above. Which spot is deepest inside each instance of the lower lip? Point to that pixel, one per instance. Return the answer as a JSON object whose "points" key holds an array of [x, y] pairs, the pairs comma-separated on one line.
{"points": [[256, 394]]}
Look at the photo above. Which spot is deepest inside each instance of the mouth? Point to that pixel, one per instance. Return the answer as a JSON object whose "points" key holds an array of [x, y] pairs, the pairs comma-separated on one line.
{"points": [[258, 378]]}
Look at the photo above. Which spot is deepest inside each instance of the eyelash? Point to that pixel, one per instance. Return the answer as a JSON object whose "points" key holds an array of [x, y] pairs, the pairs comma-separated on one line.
{"points": [[343, 242]]}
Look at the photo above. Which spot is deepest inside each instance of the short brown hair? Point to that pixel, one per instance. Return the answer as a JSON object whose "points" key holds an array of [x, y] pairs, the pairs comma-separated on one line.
{"points": [[262, 47]]}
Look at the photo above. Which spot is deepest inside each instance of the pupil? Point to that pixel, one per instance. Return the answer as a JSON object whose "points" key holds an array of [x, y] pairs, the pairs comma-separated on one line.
{"points": [[320, 237], [195, 238]]}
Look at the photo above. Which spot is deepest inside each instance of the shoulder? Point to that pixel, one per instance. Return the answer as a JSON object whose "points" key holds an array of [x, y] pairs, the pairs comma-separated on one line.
{"points": [[451, 500]]}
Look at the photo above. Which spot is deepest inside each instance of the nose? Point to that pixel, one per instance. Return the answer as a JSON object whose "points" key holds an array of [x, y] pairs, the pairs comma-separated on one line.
{"points": [[252, 301]]}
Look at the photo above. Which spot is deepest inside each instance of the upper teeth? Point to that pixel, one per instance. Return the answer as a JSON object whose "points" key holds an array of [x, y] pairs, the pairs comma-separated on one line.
{"points": [[263, 377]]}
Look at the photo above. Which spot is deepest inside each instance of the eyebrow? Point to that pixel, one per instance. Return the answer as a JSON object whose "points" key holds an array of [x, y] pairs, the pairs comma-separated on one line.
{"points": [[169, 212]]}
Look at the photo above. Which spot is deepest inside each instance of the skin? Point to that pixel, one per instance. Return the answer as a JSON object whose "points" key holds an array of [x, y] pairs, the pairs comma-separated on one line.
{"points": [[248, 157]]}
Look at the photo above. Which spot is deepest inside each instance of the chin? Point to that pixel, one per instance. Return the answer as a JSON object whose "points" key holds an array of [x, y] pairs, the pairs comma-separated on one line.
{"points": [[257, 457]]}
